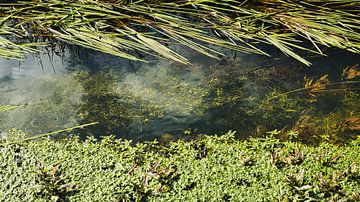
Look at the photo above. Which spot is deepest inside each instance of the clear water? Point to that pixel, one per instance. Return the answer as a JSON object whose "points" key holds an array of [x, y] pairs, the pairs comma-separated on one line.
{"points": [[161, 99]]}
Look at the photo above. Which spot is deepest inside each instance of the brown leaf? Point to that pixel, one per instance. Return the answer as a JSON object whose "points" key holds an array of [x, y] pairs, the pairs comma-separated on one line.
{"points": [[352, 123], [316, 86], [351, 72]]}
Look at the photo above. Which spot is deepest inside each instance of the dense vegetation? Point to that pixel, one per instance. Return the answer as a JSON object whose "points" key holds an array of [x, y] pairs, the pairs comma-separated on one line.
{"points": [[132, 29], [207, 168], [210, 168]]}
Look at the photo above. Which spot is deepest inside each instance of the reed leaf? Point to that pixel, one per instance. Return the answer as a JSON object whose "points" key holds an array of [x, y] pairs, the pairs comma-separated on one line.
{"points": [[120, 27]]}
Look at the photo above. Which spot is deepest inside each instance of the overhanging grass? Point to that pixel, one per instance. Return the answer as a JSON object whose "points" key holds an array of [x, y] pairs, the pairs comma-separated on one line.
{"points": [[208, 169], [147, 26]]}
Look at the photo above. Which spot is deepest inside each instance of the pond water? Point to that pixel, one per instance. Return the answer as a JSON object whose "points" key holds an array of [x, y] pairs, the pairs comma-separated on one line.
{"points": [[166, 100]]}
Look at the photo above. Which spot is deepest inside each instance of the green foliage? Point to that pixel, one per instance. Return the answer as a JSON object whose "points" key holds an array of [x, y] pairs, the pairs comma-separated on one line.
{"points": [[117, 27], [211, 168]]}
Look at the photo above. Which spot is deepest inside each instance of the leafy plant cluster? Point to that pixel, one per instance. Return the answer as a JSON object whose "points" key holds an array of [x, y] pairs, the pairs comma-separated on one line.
{"points": [[211, 168]]}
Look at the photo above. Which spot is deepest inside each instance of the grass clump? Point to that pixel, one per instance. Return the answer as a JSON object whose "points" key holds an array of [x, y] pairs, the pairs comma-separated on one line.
{"points": [[123, 28], [209, 168]]}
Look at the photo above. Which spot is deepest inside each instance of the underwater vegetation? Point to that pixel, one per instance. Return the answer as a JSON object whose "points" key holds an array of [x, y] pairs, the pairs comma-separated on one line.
{"points": [[167, 100], [172, 99], [50, 103], [321, 110], [177, 101]]}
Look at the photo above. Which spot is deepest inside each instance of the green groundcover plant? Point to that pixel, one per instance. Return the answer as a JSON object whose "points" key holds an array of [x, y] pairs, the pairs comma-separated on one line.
{"points": [[210, 168]]}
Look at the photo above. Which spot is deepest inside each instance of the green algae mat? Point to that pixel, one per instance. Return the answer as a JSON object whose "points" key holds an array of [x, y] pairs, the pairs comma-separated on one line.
{"points": [[210, 168]]}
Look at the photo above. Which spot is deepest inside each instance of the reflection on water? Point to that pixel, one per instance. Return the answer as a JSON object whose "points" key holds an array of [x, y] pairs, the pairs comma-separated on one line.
{"points": [[146, 101]]}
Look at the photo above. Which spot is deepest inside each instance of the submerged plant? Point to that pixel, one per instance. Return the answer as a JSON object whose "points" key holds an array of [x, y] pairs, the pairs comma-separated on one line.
{"points": [[51, 104], [4, 108]]}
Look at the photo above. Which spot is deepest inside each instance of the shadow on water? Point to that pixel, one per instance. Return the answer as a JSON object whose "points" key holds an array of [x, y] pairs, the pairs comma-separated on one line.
{"points": [[164, 100]]}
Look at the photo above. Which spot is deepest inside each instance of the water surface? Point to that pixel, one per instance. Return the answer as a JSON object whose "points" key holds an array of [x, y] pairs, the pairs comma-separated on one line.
{"points": [[165, 99]]}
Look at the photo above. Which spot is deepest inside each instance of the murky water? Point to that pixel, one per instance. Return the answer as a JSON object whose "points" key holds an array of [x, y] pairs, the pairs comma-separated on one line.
{"points": [[163, 99]]}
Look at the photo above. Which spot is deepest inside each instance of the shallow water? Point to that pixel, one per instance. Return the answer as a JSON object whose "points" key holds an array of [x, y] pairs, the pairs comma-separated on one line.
{"points": [[162, 98]]}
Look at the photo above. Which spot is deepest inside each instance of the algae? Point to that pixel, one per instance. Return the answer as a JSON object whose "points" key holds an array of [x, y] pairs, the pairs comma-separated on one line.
{"points": [[51, 104]]}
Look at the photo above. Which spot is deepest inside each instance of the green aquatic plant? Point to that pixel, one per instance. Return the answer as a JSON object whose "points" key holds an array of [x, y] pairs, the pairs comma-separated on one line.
{"points": [[175, 99], [320, 111], [123, 28], [209, 168], [4, 108], [20, 136], [120, 101], [11, 50], [51, 104], [312, 111], [15, 136], [337, 125], [322, 85]]}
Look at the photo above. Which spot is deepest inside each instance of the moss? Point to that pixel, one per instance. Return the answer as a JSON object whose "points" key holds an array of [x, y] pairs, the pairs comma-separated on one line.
{"points": [[211, 168]]}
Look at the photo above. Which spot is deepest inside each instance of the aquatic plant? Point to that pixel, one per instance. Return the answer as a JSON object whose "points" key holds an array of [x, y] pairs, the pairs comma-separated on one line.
{"points": [[320, 111], [210, 168], [157, 97], [170, 98], [51, 104], [130, 29], [4, 108]]}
